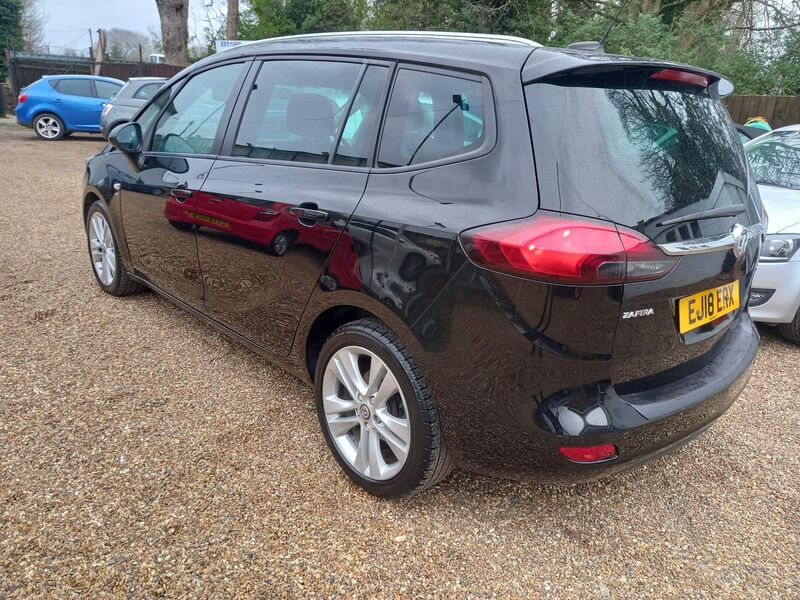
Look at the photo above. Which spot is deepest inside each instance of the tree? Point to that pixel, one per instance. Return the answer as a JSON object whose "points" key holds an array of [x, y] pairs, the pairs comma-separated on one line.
{"points": [[232, 22], [123, 44], [33, 19], [10, 31], [174, 15]]}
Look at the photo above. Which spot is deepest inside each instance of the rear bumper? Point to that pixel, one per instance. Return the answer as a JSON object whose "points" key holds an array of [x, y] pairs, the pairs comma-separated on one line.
{"points": [[784, 279], [21, 120], [658, 417]]}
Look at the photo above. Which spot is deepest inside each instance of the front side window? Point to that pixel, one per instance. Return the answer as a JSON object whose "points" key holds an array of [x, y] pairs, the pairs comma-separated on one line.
{"points": [[75, 87], [295, 109], [106, 89], [431, 117], [191, 119], [775, 159], [149, 114]]}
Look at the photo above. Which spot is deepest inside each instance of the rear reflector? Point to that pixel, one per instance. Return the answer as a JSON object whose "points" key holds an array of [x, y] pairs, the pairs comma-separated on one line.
{"points": [[680, 77], [22, 98], [589, 454], [566, 249]]}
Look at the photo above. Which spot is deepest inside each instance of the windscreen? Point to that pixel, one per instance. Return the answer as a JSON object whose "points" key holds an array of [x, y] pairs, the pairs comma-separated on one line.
{"points": [[775, 158], [636, 150]]}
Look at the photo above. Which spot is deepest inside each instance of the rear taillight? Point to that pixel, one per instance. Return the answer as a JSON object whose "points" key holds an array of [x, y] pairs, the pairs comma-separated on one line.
{"points": [[22, 98], [589, 454], [566, 249], [106, 108], [680, 77]]}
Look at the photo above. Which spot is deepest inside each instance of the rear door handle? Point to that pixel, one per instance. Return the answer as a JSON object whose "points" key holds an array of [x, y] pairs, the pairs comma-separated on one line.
{"points": [[308, 214], [180, 194]]}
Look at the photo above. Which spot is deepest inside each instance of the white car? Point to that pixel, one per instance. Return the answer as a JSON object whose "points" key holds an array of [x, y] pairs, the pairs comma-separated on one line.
{"points": [[775, 296]]}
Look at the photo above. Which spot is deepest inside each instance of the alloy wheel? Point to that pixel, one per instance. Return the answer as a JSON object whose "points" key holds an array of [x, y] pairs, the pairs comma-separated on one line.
{"points": [[366, 413], [48, 127], [101, 244]]}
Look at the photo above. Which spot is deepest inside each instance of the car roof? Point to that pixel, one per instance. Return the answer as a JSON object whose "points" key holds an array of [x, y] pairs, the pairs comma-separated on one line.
{"points": [[458, 49], [76, 76], [788, 128], [464, 50], [147, 79]]}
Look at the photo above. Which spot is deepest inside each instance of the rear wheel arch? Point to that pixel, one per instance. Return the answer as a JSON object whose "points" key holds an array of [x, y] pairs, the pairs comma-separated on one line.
{"points": [[330, 310], [324, 325]]}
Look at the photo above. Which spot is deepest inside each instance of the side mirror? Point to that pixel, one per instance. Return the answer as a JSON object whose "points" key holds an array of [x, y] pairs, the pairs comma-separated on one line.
{"points": [[127, 137]]}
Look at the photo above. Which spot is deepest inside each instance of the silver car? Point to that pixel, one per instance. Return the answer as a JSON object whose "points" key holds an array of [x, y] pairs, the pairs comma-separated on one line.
{"points": [[775, 295], [125, 103]]}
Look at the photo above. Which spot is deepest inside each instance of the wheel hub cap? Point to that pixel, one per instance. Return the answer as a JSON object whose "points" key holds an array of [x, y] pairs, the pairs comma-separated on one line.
{"points": [[101, 247], [366, 413]]}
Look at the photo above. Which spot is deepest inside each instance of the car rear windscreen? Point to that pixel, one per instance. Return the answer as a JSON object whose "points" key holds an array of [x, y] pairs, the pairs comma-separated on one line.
{"points": [[635, 150]]}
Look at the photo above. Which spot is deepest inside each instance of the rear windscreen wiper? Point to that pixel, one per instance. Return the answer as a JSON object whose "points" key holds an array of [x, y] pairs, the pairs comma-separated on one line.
{"points": [[711, 213]]}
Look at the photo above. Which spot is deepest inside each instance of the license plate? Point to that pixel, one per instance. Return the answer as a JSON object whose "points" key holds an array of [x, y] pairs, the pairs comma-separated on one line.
{"points": [[698, 309]]}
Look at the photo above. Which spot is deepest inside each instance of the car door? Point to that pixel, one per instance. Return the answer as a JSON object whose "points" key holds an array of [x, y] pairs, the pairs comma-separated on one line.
{"points": [[76, 103], [276, 202], [160, 191]]}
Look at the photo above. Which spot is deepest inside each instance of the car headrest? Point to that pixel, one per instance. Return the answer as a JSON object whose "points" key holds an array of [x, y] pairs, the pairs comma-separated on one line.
{"points": [[310, 115]]}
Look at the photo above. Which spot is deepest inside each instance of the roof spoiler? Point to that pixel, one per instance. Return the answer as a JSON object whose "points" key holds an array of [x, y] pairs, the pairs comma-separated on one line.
{"points": [[546, 62]]}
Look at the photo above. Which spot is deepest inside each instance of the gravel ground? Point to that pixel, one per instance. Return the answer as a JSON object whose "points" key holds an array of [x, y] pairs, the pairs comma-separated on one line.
{"points": [[144, 454]]}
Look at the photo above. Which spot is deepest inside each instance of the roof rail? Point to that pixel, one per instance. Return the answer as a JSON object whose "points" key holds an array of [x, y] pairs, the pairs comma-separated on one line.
{"points": [[487, 37]]}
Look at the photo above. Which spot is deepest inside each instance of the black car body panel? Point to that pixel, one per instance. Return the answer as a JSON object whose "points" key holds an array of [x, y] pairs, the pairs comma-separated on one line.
{"points": [[278, 253]]}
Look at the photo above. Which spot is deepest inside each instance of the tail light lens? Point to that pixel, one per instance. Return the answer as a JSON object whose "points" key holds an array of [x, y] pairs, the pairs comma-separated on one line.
{"points": [[22, 98], [106, 108], [589, 454], [566, 249]]}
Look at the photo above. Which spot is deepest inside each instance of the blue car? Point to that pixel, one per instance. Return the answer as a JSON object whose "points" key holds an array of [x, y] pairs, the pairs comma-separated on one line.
{"points": [[57, 105]]}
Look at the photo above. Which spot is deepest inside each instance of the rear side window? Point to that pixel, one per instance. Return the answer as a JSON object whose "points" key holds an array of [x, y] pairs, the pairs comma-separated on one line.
{"points": [[361, 127], [635, 150], [190, 120], [431, 116], [295, 109], [146, 91], [106, 89], [75, 87]]}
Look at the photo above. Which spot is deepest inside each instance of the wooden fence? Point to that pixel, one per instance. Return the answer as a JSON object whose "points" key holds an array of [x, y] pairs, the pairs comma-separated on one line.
{"points": [[24, 68], [777, 110]]}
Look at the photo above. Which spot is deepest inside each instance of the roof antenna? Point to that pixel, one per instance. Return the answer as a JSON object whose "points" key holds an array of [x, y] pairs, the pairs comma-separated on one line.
{"points": [[598, 46], [614, 21]]}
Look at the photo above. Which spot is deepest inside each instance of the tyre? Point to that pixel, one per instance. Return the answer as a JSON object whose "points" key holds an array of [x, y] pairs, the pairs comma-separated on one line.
{"points": [[791, 330], [49, 127], [280, 244], [109, 269], [377, 412]]}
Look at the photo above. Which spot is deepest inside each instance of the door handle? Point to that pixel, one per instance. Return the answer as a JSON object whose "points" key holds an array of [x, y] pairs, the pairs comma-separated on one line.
{"points": [[180, 194], [312, 215], [58, 100]]}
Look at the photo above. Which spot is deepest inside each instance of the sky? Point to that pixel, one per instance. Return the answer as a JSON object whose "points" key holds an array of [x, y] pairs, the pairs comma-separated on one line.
{"points": [[68, 21]]}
